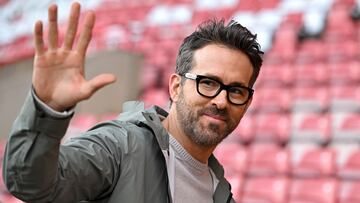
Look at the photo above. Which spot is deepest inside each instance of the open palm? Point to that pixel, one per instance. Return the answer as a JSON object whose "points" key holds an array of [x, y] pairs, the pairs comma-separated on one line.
{"points": [[58, 76]]}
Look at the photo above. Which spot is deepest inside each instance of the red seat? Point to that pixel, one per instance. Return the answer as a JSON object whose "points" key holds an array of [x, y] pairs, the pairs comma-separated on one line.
{"points": [[311, 74], [246, 128], [156, 96], [272, 99], [319, 190], [314, 162], [79, 124], [248, 5], [342, 51], [346, 126], [272, 127], [268, 159], [265, 189], [310, 98], [286, 52], [84, 121], [345, 72], [279, 75], [270, 4], [349, 191], [311, 126], [345, 97], [351, 167], [310, 51], [237, 182], [339, 26], [233, 157]]}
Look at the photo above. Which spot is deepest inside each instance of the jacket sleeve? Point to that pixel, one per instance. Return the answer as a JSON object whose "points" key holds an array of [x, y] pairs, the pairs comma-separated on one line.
{"points": [[36, 168]]}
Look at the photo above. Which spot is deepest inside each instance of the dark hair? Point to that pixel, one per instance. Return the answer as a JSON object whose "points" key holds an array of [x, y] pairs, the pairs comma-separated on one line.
{"points": [[233, 35]]}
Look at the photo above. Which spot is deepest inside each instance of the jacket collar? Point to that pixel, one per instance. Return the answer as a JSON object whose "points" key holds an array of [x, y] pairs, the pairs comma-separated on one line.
{"points": [[135, 112]]}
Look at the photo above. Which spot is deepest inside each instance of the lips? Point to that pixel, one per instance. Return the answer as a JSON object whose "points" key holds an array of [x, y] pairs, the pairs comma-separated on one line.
{"points": [[216, 117]]}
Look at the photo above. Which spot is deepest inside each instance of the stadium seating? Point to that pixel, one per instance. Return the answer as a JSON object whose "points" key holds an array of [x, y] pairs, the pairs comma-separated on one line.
{"points": [[346, 126], [345, 98], [268, 159], [299, 141], [313, 161], [351, 167], [272, 189], [234, 157], [319, 190], [349, 191], [311, 126], [272, 127]]}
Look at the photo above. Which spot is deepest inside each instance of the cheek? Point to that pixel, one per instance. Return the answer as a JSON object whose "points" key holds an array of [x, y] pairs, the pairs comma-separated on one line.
{"points": [[194, 99], [236, 114]]}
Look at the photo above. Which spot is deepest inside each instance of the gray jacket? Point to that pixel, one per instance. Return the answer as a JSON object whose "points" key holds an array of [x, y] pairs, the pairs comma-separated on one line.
{"points": [[116, 161]]}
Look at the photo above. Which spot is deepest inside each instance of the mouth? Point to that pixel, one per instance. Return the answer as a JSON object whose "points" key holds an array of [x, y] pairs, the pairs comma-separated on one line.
{"points": [[216, 118]]}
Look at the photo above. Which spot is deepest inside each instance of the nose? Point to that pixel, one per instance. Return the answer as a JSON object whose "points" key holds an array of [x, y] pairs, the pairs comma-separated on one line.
{"points": [[220, 100]]}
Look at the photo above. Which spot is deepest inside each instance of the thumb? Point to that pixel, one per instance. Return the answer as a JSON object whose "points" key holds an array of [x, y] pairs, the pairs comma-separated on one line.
{"points": [[96, 83]]}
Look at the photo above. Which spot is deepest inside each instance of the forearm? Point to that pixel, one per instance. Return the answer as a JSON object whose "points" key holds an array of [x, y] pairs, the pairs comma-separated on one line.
{"points": [[37, 169], [31, 157]]}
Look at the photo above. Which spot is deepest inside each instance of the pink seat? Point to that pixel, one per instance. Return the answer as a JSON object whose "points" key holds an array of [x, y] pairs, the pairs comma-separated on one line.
{"points": [[265, 189], [83, 121], [268, 159], [155, 96], [345, 97], [310, 51], [233, 157], [351, 167], [349, 191], [311, 126], [248, 5], [345, 72], [275, 75], [339, 26], [311, 74], [285, 52], [272, 127], [246, 129], [237, 182], [310, 98], [341, 52], [314, 162], [79, 124], [346, 126], [319, 190], [272, 99]]}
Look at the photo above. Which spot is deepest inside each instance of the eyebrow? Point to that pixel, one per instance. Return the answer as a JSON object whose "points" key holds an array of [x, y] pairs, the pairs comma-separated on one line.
{"points": [[220, 80]]}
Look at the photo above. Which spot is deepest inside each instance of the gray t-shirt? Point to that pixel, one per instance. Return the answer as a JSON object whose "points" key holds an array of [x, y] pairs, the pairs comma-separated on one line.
{"points": [[190, 180]]}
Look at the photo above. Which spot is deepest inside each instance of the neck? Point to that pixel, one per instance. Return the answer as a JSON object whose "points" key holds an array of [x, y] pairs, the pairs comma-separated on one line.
{"points": [[200, 153]]}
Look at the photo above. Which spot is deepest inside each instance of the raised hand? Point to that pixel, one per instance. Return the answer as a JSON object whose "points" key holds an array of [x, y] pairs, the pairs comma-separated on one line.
{"points": [[58, 76]]}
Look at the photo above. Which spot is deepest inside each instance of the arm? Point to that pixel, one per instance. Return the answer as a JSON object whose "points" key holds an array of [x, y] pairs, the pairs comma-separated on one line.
{"points": [[36, 168], [35, 171]]}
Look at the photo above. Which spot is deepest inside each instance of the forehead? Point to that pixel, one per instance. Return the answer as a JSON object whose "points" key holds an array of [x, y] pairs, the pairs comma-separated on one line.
{"points": [[227, 64]]}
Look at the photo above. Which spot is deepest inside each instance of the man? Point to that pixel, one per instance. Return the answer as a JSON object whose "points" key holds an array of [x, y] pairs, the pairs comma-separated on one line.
{"points": [[144, 155]]}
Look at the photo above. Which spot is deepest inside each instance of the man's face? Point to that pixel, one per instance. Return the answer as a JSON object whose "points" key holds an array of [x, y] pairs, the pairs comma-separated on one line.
{"points": [[207, 121]]}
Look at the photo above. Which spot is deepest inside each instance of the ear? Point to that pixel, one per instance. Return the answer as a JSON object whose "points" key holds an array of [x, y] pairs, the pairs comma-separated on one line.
{"points": [[174, 86]]}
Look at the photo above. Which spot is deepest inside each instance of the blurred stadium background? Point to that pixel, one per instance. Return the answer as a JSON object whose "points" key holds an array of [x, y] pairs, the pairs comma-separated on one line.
{"points": [[300, 140]]}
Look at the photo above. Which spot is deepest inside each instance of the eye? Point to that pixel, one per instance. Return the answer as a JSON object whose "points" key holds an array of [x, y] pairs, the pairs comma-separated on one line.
{"points": [[238, 91], [208, 83]]}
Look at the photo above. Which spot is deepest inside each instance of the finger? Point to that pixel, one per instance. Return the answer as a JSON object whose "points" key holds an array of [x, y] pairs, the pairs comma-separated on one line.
{"points": [[53, 28], [96, 83], [85, 36], [38, 34], [72, 27]]}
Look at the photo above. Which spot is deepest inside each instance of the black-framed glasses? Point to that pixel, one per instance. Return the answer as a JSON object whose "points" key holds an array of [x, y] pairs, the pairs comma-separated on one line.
{"points": [[210, 88]]}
